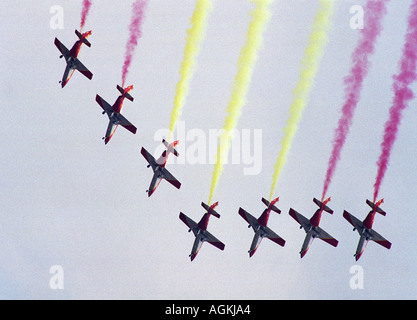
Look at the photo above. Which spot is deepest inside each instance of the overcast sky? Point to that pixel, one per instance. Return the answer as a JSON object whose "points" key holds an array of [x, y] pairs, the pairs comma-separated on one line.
{"points": [[69, 200]]}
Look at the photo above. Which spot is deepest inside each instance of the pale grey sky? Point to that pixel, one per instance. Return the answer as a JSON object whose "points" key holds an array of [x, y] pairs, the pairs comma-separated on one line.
{"points": [[68, 199]]}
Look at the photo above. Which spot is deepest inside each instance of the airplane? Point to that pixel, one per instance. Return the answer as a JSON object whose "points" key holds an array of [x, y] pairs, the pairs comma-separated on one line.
{"points": [[113, 112], [71, 57], [365, 230], [311, 226], [259, 226], [200, 230], [158, 167]]}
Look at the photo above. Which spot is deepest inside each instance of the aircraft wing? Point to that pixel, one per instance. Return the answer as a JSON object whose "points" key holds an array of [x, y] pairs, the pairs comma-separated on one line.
{"points": [[83, 69], [323, 235], [188, 221], [213, 240], [303, 221], [126, 124], [355, 222], [63, 49], [375, 236], [104, 105], [248, 217], [271, 235], [171, 179], [148, 157]]}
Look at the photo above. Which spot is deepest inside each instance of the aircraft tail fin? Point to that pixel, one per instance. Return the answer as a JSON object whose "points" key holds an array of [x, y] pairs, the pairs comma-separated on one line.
{"points": [[323, 205], [210, 209], [83, 37], [375, 206], [125, 92], [172, 146], [271, 205]]}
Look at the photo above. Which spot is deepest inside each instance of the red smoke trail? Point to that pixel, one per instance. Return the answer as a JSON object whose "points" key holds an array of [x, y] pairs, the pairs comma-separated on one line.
{"points": [[138, 9], [374, 12], [402, 95], [84, 12]]}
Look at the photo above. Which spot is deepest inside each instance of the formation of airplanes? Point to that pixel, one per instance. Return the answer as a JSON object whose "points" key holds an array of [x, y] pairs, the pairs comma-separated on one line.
{"points": [[259, 226], [310, 226]]}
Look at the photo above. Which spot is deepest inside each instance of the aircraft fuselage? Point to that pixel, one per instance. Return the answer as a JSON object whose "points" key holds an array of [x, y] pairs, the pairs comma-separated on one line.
{"points": [[363, 241], [365, 234], [263, 219], [257, 239], [70, 60], [69, 71], [156, 180], [118, 105], [75, 50], [198, 242], [199, 233], [315, 219], [369, 220], [308, 240], [114, 119]]}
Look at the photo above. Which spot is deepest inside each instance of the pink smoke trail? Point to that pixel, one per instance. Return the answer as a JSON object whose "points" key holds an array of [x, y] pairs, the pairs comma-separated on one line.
{"points": [[374, 12], [402, 95], [84, 12], [138, 9]]}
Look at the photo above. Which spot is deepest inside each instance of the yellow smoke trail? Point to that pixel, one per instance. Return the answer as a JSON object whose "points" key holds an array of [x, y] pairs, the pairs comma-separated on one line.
{"points": [[248, 56], [309, 66], [194, 36]]}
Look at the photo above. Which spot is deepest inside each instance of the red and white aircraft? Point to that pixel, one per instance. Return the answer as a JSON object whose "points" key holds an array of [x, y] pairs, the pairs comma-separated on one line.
{"points": [[71, 57], [158, 167], [312, 228], [200, 229], [259, 226], [365, 230], [113, 112]]}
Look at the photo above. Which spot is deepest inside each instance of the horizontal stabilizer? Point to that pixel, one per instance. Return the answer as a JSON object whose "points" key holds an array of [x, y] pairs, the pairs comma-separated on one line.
{"points": [[376, 206], [322, 205], [271, 205], [168, 146], [210, 209], [83, 37], [129, 97], [126, 94]]}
